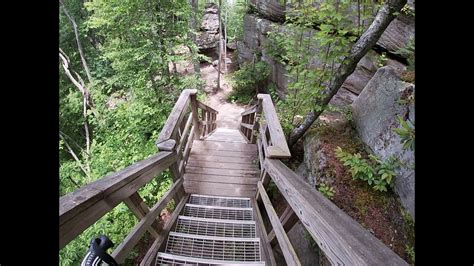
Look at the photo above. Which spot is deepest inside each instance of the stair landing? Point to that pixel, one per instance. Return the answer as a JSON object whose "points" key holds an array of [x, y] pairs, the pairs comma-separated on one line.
{"points": [[223, 164]]}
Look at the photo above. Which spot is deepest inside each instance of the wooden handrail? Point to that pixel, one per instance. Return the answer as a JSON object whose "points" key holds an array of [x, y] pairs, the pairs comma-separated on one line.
{"points": [[275, 144], [83, 207], [342, 239]]}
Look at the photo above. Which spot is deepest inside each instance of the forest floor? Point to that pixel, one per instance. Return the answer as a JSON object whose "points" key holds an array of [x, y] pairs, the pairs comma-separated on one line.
{"points": [[229, 113], [380, 213]]}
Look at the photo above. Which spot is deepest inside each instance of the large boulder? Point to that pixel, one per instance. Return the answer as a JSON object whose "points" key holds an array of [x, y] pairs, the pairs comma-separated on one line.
{"points": [[375, 114], [208, 36]]}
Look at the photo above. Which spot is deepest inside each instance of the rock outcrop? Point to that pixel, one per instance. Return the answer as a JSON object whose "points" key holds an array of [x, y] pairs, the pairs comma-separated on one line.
{"points": [[208, 36], [375, 113]]}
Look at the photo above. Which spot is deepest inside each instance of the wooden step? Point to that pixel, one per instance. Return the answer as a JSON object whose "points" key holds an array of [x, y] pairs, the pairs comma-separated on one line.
{"points": [[223, 146], [220, 189]]}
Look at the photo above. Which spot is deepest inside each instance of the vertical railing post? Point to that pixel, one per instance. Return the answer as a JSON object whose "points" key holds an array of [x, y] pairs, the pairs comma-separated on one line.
{"points": [[194, 110]]}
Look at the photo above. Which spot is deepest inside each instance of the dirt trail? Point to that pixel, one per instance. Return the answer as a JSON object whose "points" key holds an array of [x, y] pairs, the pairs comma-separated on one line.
{"points": [[229, 113]]}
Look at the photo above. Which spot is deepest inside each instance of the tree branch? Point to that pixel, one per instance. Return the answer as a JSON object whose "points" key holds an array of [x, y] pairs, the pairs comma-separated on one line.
{"points": [[71, 151], [385, 15]]}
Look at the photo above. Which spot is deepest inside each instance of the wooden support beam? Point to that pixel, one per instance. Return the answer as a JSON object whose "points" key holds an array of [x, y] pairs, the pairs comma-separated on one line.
{"points": [[83, 207], [264, 243], [136, 205], [288, 252], [150, 256], [195, 114], [124, 248], [288, 219]]}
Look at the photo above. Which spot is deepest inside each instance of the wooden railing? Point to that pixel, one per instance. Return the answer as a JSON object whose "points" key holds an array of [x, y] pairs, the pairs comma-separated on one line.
{"points": [[343, 240], [83, 207]]}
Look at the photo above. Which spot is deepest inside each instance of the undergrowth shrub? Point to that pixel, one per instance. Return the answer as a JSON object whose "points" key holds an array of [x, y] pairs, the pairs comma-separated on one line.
{"points": [[247, 80]]}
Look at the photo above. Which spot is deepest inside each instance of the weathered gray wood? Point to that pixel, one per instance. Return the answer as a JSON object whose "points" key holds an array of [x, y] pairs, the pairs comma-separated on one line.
{"points": [[224, 153], [251, 110], [280, 147], [184, 136], [225, 172], [195, 115], [136, 205], [264, 241], [174, 119], [249, 126], [187, 150], [220, 179], [167, 145], [219, 189], [288, 251], [343, 240], [219, 159], [227, 165], [288, 219], [124, 248], [214, 145], [256, 121], [206, 107], [260, 154], [149, 258], [78, 211]]}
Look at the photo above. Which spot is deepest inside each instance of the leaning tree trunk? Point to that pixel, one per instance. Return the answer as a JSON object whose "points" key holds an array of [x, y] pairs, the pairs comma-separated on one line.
{"points": [[220, 47], [384, 16], [79, 46]]}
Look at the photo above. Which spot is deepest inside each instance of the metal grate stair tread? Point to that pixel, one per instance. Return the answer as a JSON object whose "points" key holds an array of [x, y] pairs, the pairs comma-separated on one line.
{"points": [[165, 258]]}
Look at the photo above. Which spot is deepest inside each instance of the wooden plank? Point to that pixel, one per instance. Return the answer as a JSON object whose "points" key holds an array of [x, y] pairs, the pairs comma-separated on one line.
{"points": [[220, 179], [223, 172], [195, 115], [213, 145], [206, 107], [250, 156], [220, 159], [288, 219], [252, 109], [288, 252], [124, 248], [260, 153], [276, 132], [343, 240], [184, 136], [218, 189], [265, 247], [136, 205], [174, 120], [187, 150], [249, 126], [167, 145], [78, 211], [226, 165], [149, 258]]}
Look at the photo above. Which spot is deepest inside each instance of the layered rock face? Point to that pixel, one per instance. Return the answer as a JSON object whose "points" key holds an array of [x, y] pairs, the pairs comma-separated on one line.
{"points": [[256, 27], [376, 113], [208, 36]]}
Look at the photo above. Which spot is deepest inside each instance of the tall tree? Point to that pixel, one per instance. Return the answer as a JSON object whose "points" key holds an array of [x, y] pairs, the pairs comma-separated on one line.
{"points": [[78, 40], [220, 47], [194, 28], [387, 12]]}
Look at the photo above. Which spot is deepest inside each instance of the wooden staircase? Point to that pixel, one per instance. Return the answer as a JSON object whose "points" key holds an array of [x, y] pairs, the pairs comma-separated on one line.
{"points": [[220, 178], [213, 230]]}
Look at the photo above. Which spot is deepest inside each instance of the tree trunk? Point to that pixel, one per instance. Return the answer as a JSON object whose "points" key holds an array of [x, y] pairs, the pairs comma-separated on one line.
{"points": [[384, 16], [220, 47], [79, 46], [225, 42], [195, 27]]}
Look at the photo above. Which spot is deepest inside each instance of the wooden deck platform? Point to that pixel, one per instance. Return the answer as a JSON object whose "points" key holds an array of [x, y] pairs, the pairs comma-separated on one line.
{"points": [[223, 164]]}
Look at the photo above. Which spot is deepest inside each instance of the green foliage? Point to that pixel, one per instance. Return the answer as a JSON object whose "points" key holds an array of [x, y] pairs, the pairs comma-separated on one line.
{"points": [[408, 52], [247, 80], [406, 132], [377, 173], [411, 253], [326, 190], [128, 46], [310, 56], [272, 189], [382, 59]]}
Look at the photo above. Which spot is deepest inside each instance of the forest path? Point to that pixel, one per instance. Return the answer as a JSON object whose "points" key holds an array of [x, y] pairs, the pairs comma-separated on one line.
{"points": [[229, 113]]}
